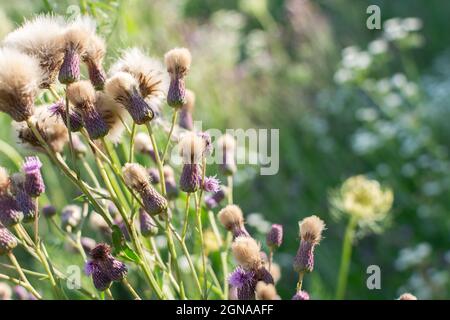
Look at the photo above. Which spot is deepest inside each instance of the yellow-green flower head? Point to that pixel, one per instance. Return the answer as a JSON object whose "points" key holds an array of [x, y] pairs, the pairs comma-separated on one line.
{"points": [[364, 199]]}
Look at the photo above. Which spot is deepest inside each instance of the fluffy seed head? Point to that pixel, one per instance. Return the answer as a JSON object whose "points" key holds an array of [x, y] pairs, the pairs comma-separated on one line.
{"points": [[112, 113], [52, 129], [266, 291], [135, 175], [192, 148], [178, 62], [246, 252], [142, 143], [78, 33], [81, 94], [41, 37], [231, 216], [93, 58], [311, 229], [20, 76], [150, 74]]}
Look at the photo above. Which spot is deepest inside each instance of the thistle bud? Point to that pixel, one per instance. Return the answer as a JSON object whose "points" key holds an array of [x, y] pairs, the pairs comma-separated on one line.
{"points": [[178, 62], [48, 211], [137, 178], [124, 89], [105, 268], [34, 183], [227, 146], [301, 295], [232, 219], [310, 233], [27, 205], [10, 213], [192, 148], [82, 95], [7, 240], [147, 224], [59, 109], [70, 217], [190, 178], [93, 58], [274, 237], [70, 69], [246, 252], [185, 120]]}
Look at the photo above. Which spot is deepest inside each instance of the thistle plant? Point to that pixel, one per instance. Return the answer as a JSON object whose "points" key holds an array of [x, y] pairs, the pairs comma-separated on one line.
{"points": [[366, 204]]}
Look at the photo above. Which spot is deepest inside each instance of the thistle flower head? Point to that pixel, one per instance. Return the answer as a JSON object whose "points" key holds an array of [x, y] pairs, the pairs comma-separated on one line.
{"points": [[301, 295], [70, 216], [112, 114], [274, 237], [52, 130], [147, 224], [311, 229], [231, 217], [153, 80], [191, 177], [178, 62], [82, 95], [93, 58], [407, 296], [211, 184], [104, 266], [143, 144], [192, 148], [185, 120], [10, 213], [123, 88], [246, 252], [42, 38], [7, 240], [214, 200], [227, 146], [362, 198], [101, 251], [266, 291], [135, 176], [58, 109], [34, 183], [20, 76], [240, 278]]}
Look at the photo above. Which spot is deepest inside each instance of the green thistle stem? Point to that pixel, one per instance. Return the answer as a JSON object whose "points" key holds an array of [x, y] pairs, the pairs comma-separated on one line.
{"points": [[346, 258]]}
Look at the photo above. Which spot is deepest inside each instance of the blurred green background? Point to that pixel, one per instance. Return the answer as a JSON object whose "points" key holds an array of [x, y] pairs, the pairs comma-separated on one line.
{"points": [[380, 108]]}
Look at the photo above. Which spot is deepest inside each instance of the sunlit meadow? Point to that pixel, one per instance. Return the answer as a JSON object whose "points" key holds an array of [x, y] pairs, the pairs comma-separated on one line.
{"points": [[106, 188]]}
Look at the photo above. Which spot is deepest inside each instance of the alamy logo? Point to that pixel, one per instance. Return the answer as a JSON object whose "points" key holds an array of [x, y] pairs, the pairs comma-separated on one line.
{"points": [[374, 20], [374, 279]]}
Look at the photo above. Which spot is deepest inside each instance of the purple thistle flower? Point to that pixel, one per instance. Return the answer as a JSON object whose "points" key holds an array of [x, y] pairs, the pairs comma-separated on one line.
{"points": [[190, 178], [240, 278], [274, 237], [89, 268], [211, 184], [70, 68], [301, 295], [27, 205], [34, 183], [10, 213], [304, 259], [147, 224], [7, 240], [215, 199], [59, 109]]}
